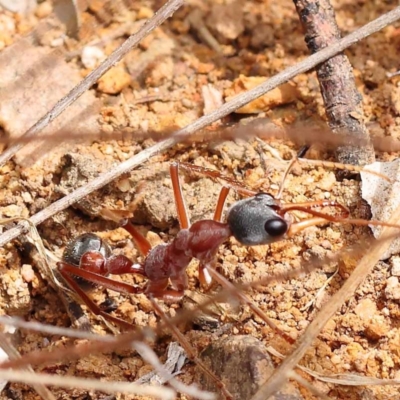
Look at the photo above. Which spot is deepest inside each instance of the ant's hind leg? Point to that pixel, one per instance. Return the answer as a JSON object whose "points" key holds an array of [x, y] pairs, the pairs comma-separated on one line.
{"points": [[179, 200], [68, 271]]}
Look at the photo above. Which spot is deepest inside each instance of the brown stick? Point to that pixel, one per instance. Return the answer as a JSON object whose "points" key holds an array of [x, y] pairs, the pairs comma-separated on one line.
{"points": [[162, 14], [343, 102]]}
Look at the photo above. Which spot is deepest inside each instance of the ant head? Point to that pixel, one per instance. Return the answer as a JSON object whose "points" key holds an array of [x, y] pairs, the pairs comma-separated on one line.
{"points": [[254, 221]]}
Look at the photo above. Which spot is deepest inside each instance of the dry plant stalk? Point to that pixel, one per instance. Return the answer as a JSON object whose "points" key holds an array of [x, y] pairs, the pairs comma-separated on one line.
{"points": [[343, 101], [163, 13]]}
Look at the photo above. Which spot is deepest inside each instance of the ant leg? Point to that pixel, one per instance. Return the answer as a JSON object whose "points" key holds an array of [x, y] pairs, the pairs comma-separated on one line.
{"points": [[189, 350], [67, 271], [183, 217], [303, 150], [244, 299], [322, 218], [159, 289], [312, 204], [223, 194], [141, 243], [346, 167]]}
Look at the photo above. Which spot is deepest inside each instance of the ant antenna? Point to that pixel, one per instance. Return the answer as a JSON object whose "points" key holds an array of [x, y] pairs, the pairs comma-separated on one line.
{"points": [[301, 153]]}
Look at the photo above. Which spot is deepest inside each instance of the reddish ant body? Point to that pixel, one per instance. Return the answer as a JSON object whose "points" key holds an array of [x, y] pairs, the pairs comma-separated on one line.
{"points": [[259, 219]]}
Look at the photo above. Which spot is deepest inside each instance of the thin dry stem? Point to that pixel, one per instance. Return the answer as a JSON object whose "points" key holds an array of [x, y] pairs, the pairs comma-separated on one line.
{"points": [[26, 377], [309, 386], [13, 354], [51, 329], [185, 133], [159, 17]]}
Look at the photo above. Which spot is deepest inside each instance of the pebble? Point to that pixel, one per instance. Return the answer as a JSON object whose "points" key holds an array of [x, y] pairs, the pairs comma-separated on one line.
{"points": [[114, 80], [284, 94], [392, 290], [44, 9], [395, 266], [92, 56], [243, 365], [27, 273], [365, 309]]}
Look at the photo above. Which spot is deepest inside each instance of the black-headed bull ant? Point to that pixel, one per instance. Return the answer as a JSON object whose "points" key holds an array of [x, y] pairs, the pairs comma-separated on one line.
{"points": [[256, 220]]}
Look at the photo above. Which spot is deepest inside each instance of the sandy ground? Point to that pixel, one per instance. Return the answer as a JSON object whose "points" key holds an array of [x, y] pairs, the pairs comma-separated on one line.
{"points": [[169, 81]]}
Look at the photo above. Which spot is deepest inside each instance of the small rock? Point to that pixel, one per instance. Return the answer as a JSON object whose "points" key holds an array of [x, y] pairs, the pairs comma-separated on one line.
{"points": [[44, 9], [231, 26], [377, 329], [92, 56], [114, 80], [19, 6], [27, 273], [284, 94], [395, 266], [365, 309], [392, 290], [243, 365]]}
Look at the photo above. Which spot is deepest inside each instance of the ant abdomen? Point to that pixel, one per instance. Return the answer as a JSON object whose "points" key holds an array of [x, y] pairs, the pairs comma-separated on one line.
{"points": [[75, 249], [254, 221]]}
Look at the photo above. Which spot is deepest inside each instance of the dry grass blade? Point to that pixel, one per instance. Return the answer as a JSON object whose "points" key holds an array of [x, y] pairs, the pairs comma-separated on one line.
{"points": [[340, 379], [52, 330], [90, 384], [185, 133], [13, 354], [165, 12], [309, 386], [364, 268]]}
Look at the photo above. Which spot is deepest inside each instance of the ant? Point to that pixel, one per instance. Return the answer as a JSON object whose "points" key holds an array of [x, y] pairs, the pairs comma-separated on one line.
{"points": [[256, 220]]}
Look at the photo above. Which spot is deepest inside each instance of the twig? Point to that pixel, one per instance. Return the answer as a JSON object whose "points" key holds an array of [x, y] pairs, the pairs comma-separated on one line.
{"points": [[51, 329], [227, 108], [13, 354], [163, 13], [343, 102], [364, 268], [88, 384]]}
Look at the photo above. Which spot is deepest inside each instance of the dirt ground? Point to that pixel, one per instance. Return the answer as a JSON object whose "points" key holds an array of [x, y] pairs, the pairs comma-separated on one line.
{"points": [[175, 76]]}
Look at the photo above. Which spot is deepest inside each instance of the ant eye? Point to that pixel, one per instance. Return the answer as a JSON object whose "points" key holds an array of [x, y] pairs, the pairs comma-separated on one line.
{"points": [[276, 227]]}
